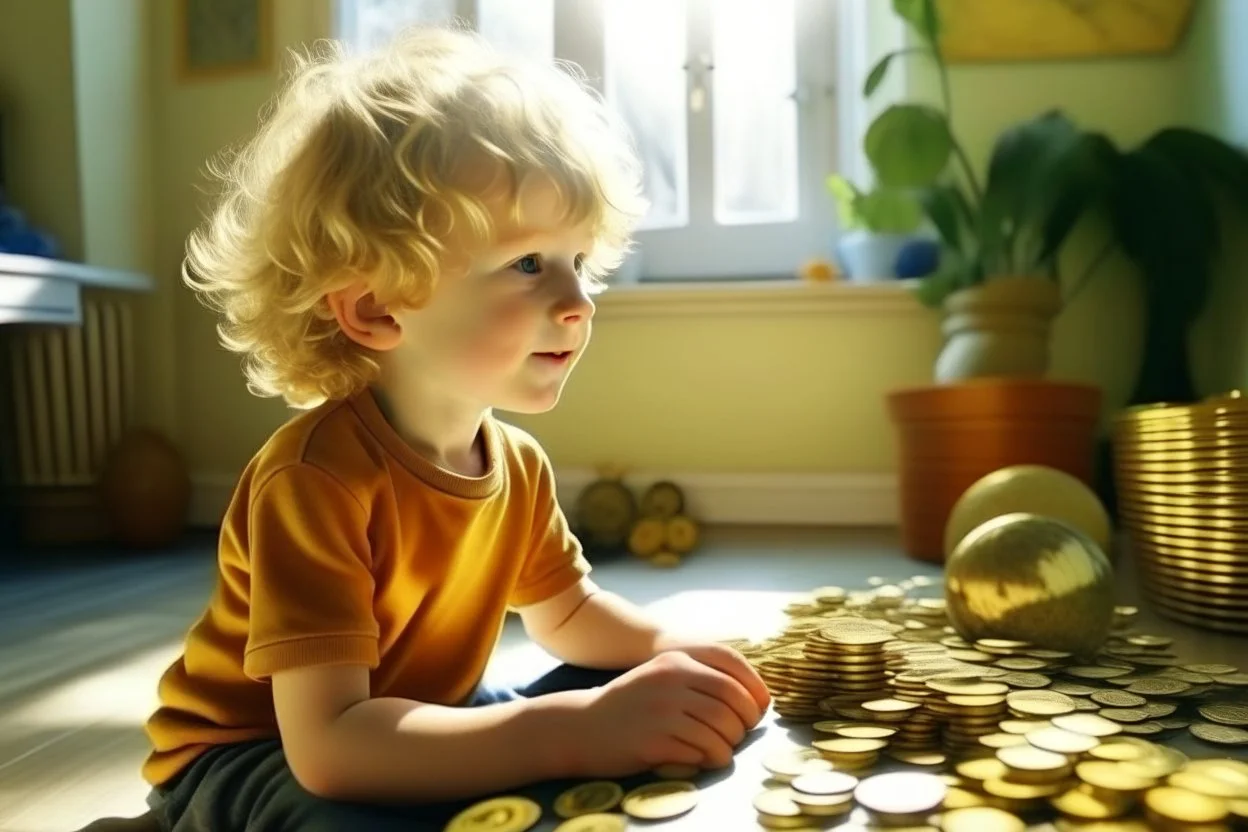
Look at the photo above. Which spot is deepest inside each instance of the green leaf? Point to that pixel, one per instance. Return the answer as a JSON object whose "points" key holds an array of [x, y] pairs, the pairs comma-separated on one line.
{"points": [[921, 15], [876, 76], [1206, 157], [1167, 225], [946, 207], [847, 197], [1018, 188], [890, 211], [908, 145], [933, 289], [1082, 183]]}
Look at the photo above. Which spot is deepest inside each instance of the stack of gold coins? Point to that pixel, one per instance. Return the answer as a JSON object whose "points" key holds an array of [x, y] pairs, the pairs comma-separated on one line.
{"points": [[851, 649], [1183, 498], [797, 683]]}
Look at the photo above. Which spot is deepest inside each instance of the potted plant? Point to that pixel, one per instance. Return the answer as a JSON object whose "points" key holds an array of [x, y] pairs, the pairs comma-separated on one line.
{"points": [[997, 282], [998, 289], [881, 235]]}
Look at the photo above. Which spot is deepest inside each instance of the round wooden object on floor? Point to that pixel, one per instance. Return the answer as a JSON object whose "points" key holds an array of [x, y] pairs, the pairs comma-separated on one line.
{"points": [[146, 490]]}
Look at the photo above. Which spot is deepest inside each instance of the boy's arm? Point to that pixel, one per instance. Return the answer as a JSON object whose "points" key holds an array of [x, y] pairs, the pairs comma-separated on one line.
{"points": [[591, 627], [342, 745]]}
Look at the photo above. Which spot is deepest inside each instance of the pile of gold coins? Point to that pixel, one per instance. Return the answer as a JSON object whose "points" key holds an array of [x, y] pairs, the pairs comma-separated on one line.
{"points": [[1183, 498], [913, 726]]}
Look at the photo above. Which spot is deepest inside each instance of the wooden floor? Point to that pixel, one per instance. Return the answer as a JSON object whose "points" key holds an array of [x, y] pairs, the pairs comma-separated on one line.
{"points": [[84, 637]]}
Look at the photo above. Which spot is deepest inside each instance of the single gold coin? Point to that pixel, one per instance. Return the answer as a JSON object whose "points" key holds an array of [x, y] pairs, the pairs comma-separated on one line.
{"points": [[1012, 790], [603, 822], [1021, 663], [925, 759], [890, 706], [1220, 734], [1102, 774], [1158, 686], [498, 814], [1087, 804], [1150, 641], [1124, 716], [1161, 761], [777, 803], [1060, 741], [1096, 672], [971, 687], [1001, 644], [657, 801], [865, 732], [1044, 703], [590, 798], [981, 769], [1025, 680], [1118, 699], [1002, 740], [981, 819], [1092, 725], [1121, 749], [788, 763], [1227, 779], [828, 726], [1031, 758], [1212, 669], [1225, 713], [1182, 806], [825, 783], [849, 745], [1022, 726], [901, 793]]}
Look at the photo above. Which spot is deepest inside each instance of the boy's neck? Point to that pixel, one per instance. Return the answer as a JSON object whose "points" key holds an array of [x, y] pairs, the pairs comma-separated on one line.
{"points": [[443, 431]]}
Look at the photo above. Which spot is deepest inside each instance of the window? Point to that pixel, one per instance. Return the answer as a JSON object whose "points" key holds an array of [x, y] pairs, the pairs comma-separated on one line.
{"points": [[730, 103]]}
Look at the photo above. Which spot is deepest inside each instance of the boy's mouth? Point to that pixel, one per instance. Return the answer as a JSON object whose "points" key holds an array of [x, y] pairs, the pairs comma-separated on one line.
{"points": [[557, 357]]}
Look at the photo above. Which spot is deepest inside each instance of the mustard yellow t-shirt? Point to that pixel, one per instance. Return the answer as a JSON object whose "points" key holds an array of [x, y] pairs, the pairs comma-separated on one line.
{"points": [[343, 545]]}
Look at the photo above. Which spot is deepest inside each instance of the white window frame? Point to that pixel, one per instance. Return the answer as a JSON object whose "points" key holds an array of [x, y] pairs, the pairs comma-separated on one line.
{"points": [[837, 39]]}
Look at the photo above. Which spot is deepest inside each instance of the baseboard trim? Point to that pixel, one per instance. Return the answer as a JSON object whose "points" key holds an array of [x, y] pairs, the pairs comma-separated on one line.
{"points": [[827, 499]]}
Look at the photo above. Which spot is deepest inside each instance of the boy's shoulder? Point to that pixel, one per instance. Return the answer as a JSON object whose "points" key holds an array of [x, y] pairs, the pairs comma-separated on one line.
{"points": [[331, 437]]}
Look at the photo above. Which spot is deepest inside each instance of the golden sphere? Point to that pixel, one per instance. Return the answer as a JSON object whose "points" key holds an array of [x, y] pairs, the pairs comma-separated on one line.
{"points": [[1030, 578], [1034, 489]]}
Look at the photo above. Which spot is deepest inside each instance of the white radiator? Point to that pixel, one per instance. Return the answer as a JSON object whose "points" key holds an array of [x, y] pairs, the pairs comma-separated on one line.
{"points": [[73, 394]]}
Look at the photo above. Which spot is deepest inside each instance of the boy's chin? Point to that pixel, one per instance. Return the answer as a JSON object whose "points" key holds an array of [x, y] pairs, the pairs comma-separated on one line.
{"points": [[531, 402]]}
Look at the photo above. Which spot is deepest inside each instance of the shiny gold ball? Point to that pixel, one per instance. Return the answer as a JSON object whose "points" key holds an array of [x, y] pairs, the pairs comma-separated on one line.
{"points": [[1030, 578], [1034, 489]]}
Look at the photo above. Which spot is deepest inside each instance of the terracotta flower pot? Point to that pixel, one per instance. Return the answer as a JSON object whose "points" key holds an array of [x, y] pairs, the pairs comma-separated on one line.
{"points": [[998, 328], [950, 435]]}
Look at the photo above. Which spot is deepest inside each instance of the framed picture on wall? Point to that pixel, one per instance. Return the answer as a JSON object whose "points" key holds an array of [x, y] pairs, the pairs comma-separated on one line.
{"points": [[218, 38]]}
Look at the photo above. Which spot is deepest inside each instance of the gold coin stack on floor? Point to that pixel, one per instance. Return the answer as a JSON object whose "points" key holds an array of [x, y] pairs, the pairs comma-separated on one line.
{"points": [[1001, 730], [1183, 498]]}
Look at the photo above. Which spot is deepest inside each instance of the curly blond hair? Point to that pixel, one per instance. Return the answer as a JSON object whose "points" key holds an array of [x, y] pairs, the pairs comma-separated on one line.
{"points": [[351, 175]]}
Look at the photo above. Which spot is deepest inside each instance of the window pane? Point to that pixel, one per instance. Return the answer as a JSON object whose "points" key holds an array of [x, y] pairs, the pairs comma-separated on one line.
{"points": [[367, 24], [755, 115], [521, 27], [644, 55]]}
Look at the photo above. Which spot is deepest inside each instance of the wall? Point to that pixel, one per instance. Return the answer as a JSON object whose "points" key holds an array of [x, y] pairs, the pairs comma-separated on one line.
{"points": [[37, 103], [773, 393], [1218, 100]]}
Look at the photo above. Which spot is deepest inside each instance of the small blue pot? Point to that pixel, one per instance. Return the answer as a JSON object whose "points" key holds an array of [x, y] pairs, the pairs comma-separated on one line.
{"points": [[867, 257]]}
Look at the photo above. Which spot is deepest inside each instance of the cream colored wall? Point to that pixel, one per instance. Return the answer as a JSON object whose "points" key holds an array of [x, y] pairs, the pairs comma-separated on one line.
{"points": [[115, 152], [1218, 96], [771, 393], [37, 102]]}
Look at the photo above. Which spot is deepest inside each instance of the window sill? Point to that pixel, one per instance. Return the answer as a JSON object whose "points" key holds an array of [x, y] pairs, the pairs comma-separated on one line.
{"points": [[756, 298]]}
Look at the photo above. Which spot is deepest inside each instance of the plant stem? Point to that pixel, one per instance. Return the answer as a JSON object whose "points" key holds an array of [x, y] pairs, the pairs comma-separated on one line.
{"points": [[1086, 277], [947, 99]]}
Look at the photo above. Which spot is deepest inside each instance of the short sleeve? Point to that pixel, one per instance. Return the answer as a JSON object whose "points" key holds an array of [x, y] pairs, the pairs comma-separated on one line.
{"points": [[311, 599], [555, 560]]}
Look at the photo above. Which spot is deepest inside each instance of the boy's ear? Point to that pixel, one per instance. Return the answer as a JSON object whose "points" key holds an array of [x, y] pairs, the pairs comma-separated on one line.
{"points": [[362, 319]]}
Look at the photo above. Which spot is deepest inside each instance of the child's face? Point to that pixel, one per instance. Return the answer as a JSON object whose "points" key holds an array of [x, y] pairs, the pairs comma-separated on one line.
{"points": [[507, 331]]}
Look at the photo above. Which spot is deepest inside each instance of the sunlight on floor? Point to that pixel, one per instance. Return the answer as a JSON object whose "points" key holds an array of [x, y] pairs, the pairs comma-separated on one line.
{"points": [[124, 693]]}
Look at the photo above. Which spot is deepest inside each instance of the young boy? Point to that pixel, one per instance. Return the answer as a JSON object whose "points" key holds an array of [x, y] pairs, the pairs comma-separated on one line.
{"points": [[410, 241]]}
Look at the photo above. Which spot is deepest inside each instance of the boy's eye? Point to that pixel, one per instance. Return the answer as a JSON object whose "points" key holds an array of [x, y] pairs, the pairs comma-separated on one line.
{"points": [[529, 264]]}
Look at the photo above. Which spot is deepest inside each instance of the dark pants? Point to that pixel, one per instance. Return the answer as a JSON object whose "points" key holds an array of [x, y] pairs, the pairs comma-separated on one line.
{"points": [[247, 787]]}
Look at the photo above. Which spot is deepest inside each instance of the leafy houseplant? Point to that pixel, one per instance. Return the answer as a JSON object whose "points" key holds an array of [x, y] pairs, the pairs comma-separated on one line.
{"points": [[998, 280], [880, 237]]}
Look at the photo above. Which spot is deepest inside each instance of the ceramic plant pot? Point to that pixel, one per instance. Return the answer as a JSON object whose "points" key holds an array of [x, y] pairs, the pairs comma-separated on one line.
{"points": [[1000, 328]]}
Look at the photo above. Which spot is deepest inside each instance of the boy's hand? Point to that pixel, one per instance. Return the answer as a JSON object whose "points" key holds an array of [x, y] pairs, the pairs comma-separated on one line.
{"points": [[723, 658], [674, 708]]}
